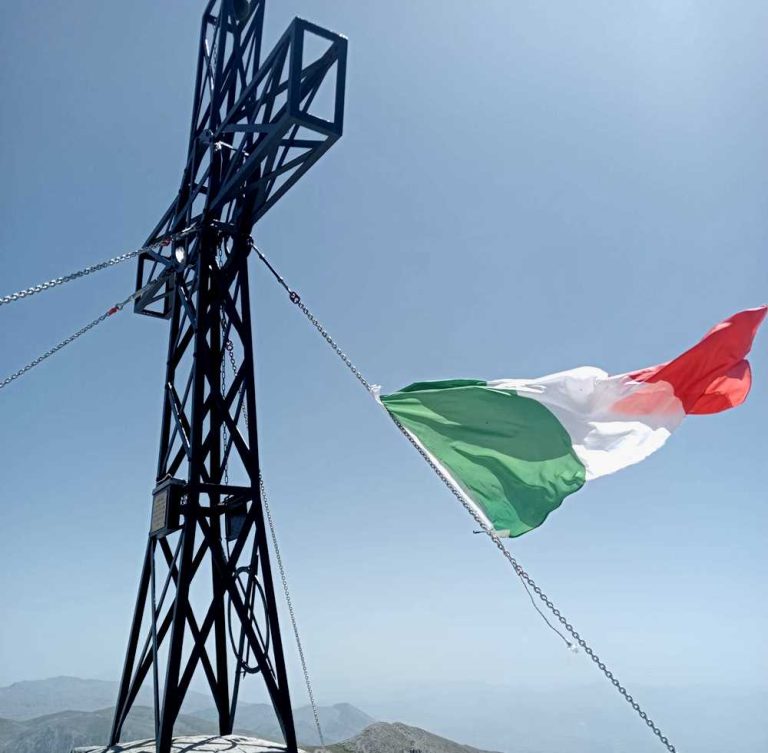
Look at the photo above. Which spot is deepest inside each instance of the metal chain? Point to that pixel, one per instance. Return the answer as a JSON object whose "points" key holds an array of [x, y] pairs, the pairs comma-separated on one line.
{"points": [[91, 269], [56, 348], [296, 299], [291, 612], [224, 434], [230, 348], [243, 663], [62, 344], [525, 578], [528, 582], [68, 278], [223, 323]]}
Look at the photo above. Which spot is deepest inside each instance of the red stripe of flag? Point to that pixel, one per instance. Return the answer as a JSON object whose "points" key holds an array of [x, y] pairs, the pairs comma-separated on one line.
{"points": [[713, 375]]}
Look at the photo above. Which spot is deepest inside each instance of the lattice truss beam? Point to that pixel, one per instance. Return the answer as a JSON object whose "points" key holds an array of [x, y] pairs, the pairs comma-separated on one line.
{"points": [[206, 603], [217, 563]]}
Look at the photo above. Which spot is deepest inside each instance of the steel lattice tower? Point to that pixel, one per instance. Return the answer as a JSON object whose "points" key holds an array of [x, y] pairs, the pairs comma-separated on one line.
{"points": [[206, 598]]}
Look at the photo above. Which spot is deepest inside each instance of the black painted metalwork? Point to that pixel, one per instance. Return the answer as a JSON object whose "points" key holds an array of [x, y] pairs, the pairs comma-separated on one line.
{"points": [[257, 126]]}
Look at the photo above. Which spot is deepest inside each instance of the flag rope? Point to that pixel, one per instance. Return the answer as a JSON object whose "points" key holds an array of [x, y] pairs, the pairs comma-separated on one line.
{"points": [[527, 581]]}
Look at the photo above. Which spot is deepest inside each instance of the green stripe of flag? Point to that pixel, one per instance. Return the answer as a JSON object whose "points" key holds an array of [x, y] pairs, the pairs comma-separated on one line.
{"points": [[508, 453]]}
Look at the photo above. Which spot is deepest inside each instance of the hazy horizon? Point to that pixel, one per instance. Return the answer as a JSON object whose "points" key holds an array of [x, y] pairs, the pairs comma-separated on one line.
{"points": [[518, 720]]}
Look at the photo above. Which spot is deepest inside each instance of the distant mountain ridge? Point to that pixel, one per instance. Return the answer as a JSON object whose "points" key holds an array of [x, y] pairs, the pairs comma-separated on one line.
{"points": [[65, 730], [582, 719], [60, 713], [59, 733], [33, 698]]}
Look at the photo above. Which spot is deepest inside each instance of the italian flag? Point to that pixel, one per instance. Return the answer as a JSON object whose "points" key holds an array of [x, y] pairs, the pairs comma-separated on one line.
{"points": [[515, 448]]}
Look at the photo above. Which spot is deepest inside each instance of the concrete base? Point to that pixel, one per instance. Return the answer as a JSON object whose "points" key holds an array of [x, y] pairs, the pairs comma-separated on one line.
{"points": [[196, 744]]}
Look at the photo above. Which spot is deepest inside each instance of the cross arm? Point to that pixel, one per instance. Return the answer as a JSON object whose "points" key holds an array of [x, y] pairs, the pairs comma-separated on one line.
{"points": [[277, 123], [274, 134]]}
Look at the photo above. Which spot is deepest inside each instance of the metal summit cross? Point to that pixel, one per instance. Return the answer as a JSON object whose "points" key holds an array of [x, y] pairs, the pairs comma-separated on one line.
{"points": [[206, 598]]}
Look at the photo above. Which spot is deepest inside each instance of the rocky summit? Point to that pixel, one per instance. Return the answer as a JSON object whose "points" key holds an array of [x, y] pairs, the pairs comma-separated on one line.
{"points": [[384, 737]]}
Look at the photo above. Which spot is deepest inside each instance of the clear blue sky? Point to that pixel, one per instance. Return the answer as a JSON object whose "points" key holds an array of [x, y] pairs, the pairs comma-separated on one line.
{"points": [[522, 187]]}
